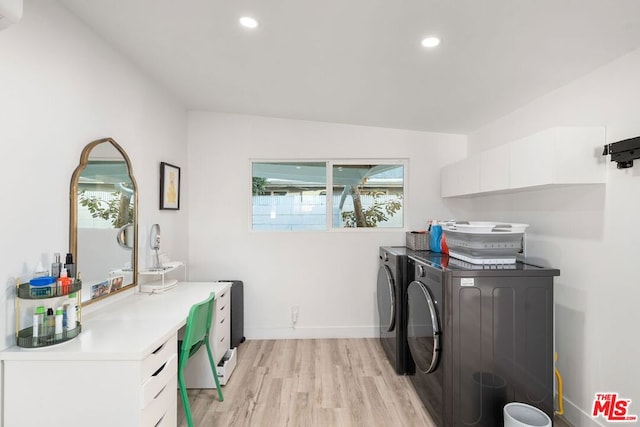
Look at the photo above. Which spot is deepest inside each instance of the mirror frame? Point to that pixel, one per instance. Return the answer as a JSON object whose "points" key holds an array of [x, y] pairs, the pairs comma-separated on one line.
{"points": [[73, 212]]}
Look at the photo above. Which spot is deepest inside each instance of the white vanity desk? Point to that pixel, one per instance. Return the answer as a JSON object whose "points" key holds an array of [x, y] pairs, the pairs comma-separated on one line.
{"points": [[120, 371]]}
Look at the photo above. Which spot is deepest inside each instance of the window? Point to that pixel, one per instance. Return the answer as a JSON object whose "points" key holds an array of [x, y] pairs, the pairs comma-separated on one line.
{"points": [[368, 195], [287, 195], [304, 195]]}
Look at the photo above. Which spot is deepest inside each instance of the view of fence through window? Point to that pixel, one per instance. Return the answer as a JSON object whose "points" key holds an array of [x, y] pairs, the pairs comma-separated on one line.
{"points": [[294, 195]]}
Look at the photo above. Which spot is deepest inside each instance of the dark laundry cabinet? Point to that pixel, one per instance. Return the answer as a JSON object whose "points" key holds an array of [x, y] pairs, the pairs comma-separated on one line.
{"points": [[480, 336]]}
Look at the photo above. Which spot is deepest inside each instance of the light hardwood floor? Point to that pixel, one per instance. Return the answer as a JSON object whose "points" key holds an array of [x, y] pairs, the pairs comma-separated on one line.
{"points": [[326, 382], [323, 382]]}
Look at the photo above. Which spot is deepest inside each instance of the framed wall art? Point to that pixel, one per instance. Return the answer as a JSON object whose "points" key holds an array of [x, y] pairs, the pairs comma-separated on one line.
{"points": [[169, 186]]}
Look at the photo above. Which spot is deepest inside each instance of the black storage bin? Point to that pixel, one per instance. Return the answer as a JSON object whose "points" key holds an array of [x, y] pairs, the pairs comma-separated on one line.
{"points": [[237, 312]]}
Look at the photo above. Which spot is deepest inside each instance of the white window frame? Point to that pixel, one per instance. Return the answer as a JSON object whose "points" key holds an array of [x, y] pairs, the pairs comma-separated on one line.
{"points": [[329, 163]]}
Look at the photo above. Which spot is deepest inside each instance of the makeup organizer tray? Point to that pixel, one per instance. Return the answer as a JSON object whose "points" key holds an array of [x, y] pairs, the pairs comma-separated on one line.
{"points": [[29, 296]]}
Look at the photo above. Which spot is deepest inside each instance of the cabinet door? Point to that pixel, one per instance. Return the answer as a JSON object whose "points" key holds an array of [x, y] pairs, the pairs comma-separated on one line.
{"points": [[502, 346], [494, 169], [96, 393], [560, 155], [461, 178], [531, 160]]}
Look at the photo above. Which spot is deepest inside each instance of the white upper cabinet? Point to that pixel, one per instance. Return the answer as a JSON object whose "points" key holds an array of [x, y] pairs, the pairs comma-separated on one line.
{"points": [[461, 178], [556, 156], [560, 155], [494, 168]]}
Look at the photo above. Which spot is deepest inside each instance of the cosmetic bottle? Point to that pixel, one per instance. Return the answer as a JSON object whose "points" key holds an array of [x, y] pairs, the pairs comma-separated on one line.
{"points": [[50, 322], [58, 321], [65, 317], [70, 266], [72, 313], [64, 282], [56, 266], [40, 271], [38, 324]]}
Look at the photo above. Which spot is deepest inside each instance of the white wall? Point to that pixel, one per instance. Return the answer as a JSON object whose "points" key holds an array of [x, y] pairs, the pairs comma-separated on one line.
{"points": [[590, 233], [331, 276], [63, 87]]}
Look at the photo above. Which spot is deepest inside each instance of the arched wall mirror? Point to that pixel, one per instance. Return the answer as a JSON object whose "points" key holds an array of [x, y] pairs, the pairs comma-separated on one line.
{"points": [[103, 229]]}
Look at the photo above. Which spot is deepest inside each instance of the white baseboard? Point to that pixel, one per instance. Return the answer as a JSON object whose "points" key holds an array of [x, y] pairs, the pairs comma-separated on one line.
{"points": [[312, 332], [578, 417]]}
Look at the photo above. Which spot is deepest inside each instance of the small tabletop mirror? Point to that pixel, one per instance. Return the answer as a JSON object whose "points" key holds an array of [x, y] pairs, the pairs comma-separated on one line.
{"points": [[154, 239]]}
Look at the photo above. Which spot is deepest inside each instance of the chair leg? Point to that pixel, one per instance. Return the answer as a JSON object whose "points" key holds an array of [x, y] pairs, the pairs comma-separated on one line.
{"points": [[185, 398], [215, 372]]}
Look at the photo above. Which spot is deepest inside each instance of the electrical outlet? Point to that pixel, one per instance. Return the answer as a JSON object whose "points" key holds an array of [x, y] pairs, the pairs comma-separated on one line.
{"points": [[295, 310]]}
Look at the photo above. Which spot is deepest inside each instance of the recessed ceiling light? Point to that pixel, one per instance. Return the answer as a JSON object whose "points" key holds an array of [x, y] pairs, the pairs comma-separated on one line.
{"points": [[249, 22], [430, 42]]}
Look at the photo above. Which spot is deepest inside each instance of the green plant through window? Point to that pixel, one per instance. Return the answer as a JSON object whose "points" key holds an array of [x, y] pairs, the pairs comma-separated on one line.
{"points": [[379, 212], [116, 209], [258, 185]]}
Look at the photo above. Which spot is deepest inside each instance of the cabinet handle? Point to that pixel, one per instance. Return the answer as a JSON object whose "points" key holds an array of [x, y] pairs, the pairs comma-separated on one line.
{"points": [[159, 393], [159, 370]]}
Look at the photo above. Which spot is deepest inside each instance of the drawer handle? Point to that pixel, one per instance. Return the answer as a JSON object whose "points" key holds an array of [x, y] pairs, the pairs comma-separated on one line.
{"points": [[159, 393], [222, 295], [222, 321], [222, 339], [159, 369], [157, 350], [222, 308], [160, 420]]}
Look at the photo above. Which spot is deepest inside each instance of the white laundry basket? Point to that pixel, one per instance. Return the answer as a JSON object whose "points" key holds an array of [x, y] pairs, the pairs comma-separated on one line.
{"points": [[518, 414]]}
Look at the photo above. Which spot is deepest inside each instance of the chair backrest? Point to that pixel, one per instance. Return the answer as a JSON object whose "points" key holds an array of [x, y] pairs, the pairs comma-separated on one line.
{"points": [[198, 327]]}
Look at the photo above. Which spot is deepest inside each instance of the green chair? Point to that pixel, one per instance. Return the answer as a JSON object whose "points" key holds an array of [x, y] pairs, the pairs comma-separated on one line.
{"points": [[196, 334]]}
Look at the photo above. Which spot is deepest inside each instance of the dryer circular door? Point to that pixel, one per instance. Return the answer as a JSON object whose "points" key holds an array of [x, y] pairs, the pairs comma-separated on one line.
{"points": [[423, 328], [386, 299]]}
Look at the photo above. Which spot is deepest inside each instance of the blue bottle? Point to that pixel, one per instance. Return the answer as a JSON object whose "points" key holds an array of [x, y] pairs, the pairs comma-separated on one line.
{"points": [[435, 238]]}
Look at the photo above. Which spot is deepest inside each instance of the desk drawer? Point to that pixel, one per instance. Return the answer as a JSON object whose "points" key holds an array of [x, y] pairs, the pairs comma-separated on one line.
{"points": [[223, 302], [221, 323], [158, 382], [220, 347], [159, 357], [161, 411]]}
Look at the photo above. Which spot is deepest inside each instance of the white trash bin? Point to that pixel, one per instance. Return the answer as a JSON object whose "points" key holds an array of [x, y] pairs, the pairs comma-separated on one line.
{"points": [[518, 414]]}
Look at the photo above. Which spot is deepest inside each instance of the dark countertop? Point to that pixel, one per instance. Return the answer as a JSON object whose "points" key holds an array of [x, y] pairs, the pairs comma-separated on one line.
{"points": [[456, 266]]}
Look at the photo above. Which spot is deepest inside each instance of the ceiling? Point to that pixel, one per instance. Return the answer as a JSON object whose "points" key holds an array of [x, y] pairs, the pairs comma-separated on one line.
{"points": [[360, 61]]}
